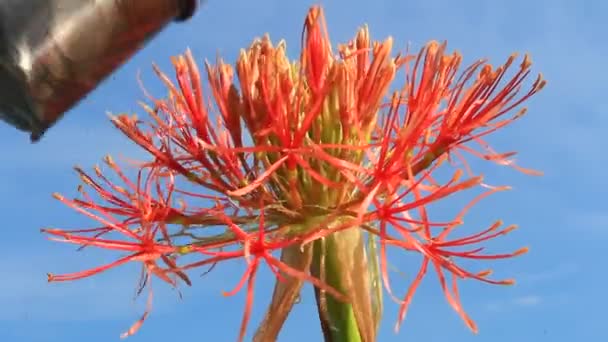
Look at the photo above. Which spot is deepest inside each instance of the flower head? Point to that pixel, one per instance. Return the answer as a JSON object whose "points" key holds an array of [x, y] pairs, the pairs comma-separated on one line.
{"points": [[283, 154]]}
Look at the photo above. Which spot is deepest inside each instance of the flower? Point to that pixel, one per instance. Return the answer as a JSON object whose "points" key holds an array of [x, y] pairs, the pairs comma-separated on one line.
{"points": [[287, 156]]}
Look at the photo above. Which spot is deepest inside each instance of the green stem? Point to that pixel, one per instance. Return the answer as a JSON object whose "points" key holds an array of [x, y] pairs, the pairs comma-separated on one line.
{"points": [[337, 318]]}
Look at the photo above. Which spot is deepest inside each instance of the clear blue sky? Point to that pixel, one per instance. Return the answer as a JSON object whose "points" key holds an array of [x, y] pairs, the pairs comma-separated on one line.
{"points": [[561, 292]]}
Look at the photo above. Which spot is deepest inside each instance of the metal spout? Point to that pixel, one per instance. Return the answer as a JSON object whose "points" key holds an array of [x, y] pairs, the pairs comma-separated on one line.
{"points": [[55, 52]]}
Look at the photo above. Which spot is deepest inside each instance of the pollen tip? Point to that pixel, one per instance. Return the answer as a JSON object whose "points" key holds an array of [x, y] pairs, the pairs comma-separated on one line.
{"points": [[521, 251], [484, 274], [108, 159], [508, 282], [541, 82], [526, 62], [432, 47], [184, 249], [389, 41], [85, 179]]}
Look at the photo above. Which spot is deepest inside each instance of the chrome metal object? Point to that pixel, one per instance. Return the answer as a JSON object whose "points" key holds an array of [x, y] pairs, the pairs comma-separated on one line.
{"points": [[53, 53]]}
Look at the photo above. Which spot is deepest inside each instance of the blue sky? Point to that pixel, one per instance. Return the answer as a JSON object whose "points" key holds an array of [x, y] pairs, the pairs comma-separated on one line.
{"points": [[560, 295]]}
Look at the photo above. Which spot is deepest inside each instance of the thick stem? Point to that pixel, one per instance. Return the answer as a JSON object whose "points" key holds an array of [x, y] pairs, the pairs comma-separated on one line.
{"points": [[339, 260]]}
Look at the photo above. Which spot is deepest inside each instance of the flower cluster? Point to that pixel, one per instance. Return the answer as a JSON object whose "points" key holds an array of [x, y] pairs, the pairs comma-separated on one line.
{"points": [[282, 154]]}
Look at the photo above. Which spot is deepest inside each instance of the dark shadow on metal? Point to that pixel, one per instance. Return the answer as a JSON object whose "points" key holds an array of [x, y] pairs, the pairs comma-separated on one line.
{"points": [[55, 52]]}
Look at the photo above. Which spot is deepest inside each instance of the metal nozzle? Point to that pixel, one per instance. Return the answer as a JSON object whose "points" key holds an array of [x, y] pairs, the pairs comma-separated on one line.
{"points": [[187, 9], [55, 52]]}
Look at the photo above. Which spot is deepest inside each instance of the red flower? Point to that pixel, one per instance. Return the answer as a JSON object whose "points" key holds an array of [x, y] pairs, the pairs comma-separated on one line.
{"points": [[290, 153]]}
